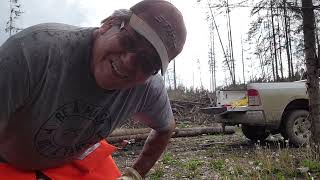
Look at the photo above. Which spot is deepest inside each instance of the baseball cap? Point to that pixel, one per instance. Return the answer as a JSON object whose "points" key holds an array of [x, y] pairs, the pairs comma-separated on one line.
{"points": [[162, 24]]}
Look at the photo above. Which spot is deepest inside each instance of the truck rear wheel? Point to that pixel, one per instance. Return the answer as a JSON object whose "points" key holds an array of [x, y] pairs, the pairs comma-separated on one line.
{"points": [[255, 133], [297, 127]]}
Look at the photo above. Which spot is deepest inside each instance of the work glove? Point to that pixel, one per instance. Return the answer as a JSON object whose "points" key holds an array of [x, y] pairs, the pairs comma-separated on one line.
{"points": [[130, 174]]}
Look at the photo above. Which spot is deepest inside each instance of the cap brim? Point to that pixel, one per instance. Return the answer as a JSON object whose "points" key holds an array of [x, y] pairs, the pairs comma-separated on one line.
{"points": [[146, 31]]}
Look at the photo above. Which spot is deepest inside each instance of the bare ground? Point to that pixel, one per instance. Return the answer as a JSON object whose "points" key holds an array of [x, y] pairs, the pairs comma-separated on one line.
{"points": [[217, 157]]}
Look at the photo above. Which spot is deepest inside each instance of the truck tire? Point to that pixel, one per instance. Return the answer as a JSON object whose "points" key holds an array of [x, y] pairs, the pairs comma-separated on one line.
{"points": [[255, 133], [297, 127]]}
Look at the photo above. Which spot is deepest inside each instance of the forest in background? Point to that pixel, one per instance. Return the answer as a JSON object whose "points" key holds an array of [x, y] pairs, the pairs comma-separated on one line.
{"points": [[272, 49]]}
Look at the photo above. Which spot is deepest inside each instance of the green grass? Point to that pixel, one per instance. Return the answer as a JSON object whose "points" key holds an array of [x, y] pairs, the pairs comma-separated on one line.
{"points": [[217, 165], [157, 174], [262, 162], [189, 168], [313, 165], [193, 164], [266, 163], [229, 162], [168, 159]]}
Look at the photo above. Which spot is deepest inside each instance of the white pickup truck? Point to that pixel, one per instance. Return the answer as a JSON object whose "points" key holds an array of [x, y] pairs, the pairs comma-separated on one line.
{"points": [[271, 108]]}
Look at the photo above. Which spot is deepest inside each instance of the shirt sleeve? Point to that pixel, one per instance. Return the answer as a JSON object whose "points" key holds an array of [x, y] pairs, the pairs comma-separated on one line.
{"points": [[157, 105], [13, 79]]}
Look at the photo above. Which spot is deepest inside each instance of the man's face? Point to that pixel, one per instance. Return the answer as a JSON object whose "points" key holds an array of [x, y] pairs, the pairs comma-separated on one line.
{"points": [[122, 58]]}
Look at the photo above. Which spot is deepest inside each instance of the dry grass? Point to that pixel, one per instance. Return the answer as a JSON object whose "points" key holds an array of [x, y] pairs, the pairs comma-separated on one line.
{"points": [[259, 161]]}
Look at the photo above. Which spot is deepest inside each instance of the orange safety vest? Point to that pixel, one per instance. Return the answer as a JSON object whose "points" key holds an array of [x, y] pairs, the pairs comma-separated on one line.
{"points": [[98, 165]]}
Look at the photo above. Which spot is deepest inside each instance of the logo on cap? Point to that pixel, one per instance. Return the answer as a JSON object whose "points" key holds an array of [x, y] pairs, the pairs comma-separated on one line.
{"points": [[169, 31]]}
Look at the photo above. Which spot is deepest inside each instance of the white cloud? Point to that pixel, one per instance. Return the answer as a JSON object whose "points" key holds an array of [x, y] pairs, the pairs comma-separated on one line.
{"points": [[51, 11]]}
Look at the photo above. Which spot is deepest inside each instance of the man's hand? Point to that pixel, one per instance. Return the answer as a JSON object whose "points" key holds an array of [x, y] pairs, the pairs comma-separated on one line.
{"points": [[130, 174]]}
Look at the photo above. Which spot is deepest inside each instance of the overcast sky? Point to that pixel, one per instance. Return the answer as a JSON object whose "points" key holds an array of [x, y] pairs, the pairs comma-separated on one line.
{"points": [[91, 12]]}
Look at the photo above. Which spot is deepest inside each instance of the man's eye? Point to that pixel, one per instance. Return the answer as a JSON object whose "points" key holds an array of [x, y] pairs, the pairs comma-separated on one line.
{"points": [[126, 42], [129, 44], [142, 56]]}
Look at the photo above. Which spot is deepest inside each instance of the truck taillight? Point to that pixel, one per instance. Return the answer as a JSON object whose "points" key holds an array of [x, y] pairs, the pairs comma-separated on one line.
{"points": [[253, 98]]}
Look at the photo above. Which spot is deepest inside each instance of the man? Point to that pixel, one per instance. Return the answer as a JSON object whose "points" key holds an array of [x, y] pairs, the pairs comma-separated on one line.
{"points": [[63, 89]]}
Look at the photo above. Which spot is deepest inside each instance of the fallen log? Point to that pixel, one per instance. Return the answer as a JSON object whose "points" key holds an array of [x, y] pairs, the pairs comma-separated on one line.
{"points": [[188, 102], [126, 132], [203, 130], [184, 132]]}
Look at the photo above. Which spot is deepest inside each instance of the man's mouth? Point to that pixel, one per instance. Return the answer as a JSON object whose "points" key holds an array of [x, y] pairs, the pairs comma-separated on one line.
{"points": [[117, 70]]}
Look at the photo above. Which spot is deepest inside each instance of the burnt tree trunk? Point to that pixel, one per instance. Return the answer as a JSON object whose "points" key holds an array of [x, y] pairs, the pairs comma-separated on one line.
{"points": [[280, 44], [287, 38], [274, 43], [15, 13], [271, 51], [312, 69]]}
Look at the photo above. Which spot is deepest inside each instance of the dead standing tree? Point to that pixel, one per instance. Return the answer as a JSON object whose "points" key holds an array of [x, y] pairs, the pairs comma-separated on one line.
{"points": [[211, 56], [15, 13], [276, 78], [312, 62], [214, 27], [287, 38], [280, 43], [224, 51], [262, 34], [229, 28]]}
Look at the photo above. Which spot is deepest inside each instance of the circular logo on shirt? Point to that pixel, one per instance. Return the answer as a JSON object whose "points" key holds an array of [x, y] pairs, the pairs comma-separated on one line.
{"points": [[71, 129]]}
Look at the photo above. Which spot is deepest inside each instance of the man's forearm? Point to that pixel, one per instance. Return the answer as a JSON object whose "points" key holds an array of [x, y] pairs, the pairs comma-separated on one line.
{"points": [[152, 150]]}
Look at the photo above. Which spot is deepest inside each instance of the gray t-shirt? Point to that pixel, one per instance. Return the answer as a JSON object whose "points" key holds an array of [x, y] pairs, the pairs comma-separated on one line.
{"points": [[51, 109]]}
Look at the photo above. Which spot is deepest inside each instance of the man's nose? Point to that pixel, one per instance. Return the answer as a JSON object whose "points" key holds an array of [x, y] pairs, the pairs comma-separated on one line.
{"points": [[129, 59]]}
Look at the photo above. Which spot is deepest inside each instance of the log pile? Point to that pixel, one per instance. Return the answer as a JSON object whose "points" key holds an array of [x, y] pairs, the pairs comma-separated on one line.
{"points": [[186, 109], [188, 112]]}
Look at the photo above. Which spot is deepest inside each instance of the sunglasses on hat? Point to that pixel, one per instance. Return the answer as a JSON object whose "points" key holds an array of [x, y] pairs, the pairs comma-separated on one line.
{"points": [[144, 52]]}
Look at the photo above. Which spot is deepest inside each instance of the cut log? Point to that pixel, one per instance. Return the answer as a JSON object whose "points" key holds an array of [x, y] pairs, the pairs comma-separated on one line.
{"points": [[189, 132], [188, 102], [184, 132], [125, 132]]}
